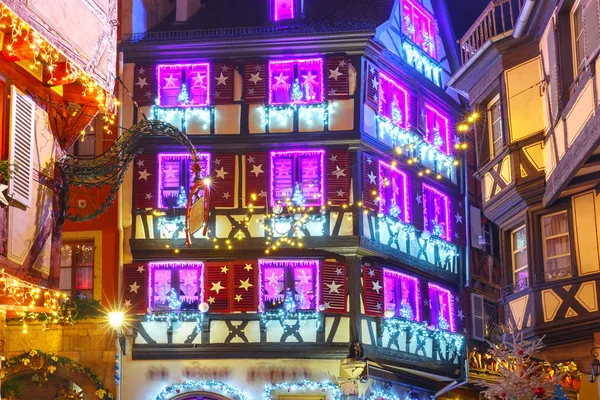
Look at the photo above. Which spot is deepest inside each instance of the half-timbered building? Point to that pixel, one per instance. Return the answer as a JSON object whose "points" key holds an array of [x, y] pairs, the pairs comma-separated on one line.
{"points": [[326, 132]]}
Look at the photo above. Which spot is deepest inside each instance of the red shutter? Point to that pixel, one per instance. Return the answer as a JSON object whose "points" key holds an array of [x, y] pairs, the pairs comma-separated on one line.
{"points": [[135, 287], [458, 221], [216, 286], [145, 178], [333, 287], [223, 180], [370, 181], [257, 178], [255, 83], [144, 84], [373, 290], [338, 83], [222, 84], [245, 285], [372, 85], [338, 177], [416, 199]]}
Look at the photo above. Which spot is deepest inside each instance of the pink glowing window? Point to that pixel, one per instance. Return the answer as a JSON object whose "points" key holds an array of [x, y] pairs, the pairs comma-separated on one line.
{"points": [[393, 101], [183, 85], [296, 81], [418, 25], [393, 192], [170, 281], [298, 176], [436, 212], [402, 294], [283, 9], [175, 178], [298, 278], [437, 129], [441, 306]]}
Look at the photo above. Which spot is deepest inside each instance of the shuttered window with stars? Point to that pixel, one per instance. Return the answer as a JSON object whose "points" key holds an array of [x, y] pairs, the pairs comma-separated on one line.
{"points": [[175, 286], [289, 284], [441, 304], [296, 81], [298, 176], [175, 178], [393, 192]]}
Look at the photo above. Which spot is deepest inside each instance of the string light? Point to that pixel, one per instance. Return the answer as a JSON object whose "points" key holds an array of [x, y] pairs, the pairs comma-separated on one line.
{"points": [[271, 389], [206, 386], [397, 325]]}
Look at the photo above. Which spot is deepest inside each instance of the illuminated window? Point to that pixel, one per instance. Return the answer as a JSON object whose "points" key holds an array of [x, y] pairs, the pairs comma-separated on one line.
{"points": [[298, 278], [393, 101], [418, 25], [393, 192], [283, 9], [557, 246], [298, 176], [174, 282], [77, 269], [441, 304], [437, 129], [436, 212], [495, 126], [519, 257], [184, 85], [296, 81], [402, 294], [175, 178]]}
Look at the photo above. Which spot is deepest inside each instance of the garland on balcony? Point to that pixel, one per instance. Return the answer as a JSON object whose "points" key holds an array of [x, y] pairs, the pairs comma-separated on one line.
{"points": [[303, 386], [397, 325], [212, 386]]}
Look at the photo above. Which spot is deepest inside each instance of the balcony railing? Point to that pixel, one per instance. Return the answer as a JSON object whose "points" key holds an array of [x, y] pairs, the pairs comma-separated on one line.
{"points": [[498, 17], [200, 34]]}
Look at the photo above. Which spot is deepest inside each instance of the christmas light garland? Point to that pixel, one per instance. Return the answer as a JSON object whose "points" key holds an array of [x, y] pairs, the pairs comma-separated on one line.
{"points": [[213, 386], [302, 386], [422, 62], [381, 395], [396, 325]]}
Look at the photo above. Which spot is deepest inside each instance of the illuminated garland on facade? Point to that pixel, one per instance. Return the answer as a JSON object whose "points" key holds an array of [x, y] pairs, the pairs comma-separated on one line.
{"points": [[397, 325], [417, 58], [203, 114], [207, 386], [175, 316], [381, 395], [302, 386], [307, 113]]}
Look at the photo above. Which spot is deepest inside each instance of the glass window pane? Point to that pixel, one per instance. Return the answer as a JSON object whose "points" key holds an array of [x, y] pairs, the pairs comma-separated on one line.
{"points": [[555, 224], [86, 146], [520, 259], [557, 246], [84, 278], [66, 253], [65, 279], [189, 288], [273, 286], [519, 239], [162, 286], [558, 268], [85, 255]]}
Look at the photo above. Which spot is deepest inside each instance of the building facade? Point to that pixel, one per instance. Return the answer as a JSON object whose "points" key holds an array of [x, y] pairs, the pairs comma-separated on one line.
{"points": [[337, 228]]}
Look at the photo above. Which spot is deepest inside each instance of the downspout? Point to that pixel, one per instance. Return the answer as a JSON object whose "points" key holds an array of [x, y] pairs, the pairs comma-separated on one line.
{"points": [[120, 343], [524, 15], [467, 279]]}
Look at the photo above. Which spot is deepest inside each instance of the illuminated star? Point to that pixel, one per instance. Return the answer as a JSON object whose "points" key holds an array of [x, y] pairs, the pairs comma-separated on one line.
{"points": [[133, 288], [304, 278], [338, 172], [198, 80], [171, 81], [248, 267], [224, 269], [257, 169], [170, 173], [250, 160], [140, 269], [141, 71], [460, 315], [127, 303], [216, 286], [222, 80], [375, 83], [245, 284], [339, 271], [226, 195], [372, 177], [376, 286], [221, 173], [211, 300], [333, 287], [341, 193], [262, 193], [238, 297], [310, 78], [371, 273], [281, 80], [418, 198], [144, 175], [141, 82], [148, 196], [3, 199], [272, 279], [255, 78], [334, 73], [458, 218]]}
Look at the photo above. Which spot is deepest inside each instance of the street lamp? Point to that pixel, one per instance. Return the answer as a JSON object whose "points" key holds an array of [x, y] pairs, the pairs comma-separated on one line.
{"points": [[115, 319], [595, 365]]}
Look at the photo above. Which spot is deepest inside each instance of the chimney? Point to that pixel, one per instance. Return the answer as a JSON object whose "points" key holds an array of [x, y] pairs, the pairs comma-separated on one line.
{"points": [[185, 8]]}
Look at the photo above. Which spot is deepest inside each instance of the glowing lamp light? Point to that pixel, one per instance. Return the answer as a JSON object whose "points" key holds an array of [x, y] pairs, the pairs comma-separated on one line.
{"points": [[115, 319], [206, 181]]}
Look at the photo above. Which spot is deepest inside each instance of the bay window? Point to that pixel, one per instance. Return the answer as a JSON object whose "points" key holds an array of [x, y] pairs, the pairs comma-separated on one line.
{"points": [[393, 190], [441, 306], [436, 212], [519, 257], [298, 176], [175, 177], [175, 285], [402, 294], [296, 81], [289, 283], [556, 245]]}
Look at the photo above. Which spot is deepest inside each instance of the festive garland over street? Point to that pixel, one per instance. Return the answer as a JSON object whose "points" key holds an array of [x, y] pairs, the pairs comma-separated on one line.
{"points": [[292, 387], [212, 386]]}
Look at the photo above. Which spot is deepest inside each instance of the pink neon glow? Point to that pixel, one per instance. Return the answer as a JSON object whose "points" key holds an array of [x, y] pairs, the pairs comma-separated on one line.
{"points": [[446, 303], [444, 219], [422, 26], [198, 80], [400, 281], [282, 9], [164, 158], [313, 195], [282, 75], [273, 276], [390, 94], [168, 266], [398, 193], [432, 118]]}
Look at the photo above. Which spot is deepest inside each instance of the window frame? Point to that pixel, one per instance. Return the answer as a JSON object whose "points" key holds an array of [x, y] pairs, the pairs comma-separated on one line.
{"points": [[446, 211], [73, 291], [577, 67], [204, 158], [433, 52], [319, 201], [380, 100], [487, 323], [289, 265], [295, 64], [404, 195], [495, 102], [175, 267], [450, 299], [446, 134], [397, 276], [545, 259], [177, 68], [517, 285], [274, 11]]}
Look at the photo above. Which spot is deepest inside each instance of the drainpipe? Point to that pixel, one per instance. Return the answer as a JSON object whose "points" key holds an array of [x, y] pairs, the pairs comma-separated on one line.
{"points": [[467, 279], [523, 18], [120, 351]]}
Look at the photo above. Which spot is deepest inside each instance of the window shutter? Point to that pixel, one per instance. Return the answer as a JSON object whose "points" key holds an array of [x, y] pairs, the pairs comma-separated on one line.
{"points": [[333, 287], [21, 146], [256, 166], [255, 83], [415, 196], [338, 83], [216, 286], [477, 317], [282, 181], [135, 287], [145, 173], [144, 85], [553, 73], [244, 296], [224, 178], [591, 27], [222, 84], [373, 290], [338, 177], [475, 226], [372, 85], [458, 221], [370, 181]]}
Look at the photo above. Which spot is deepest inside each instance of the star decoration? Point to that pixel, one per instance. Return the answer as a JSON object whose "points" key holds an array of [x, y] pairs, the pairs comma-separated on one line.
{"points": [[255, 78], [369, 160], [251, 91], [127, 303], [170, 173], [378, 306], [376, 286], [221, 173], [460, 204], [272, 279], [141, 82], [133, 288], [333, 92], [418, 198], [281, 80], [341, 193], [339, 271], [238, 297], [250, 160], [326, 305], [148, 95], [375, 98], [310, 78], [144, 175], [375, 83], [211, 300], [458, 218], [371, 273], [456, 236], [248, 267], [335, 73], [140, 269], [258, 67], [257, 169], [217, 162], [245, 284], [222, 80], [224, 269], [141, 71], [333, 158], [465, 331], [333, 287], [372, 177], [426, 302], [304, 278], [217, 286], [460, 315], [226, 195], [198, 80], [225, 68], [171, 81], [140, 163], [217, 93], [338, 172], [262, 193], [342, 63], [149, 196]]}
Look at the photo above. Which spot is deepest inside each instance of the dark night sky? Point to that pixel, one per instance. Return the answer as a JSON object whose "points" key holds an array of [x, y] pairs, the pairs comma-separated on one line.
{"points": [[463, 13]]}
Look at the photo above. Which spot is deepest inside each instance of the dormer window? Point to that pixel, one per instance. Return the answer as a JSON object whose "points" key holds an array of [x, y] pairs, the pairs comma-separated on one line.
{"points": [[418, 25], [282, 10]]}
